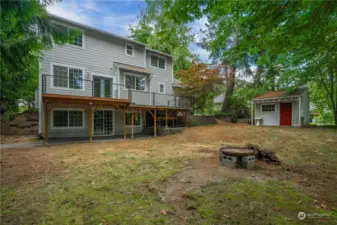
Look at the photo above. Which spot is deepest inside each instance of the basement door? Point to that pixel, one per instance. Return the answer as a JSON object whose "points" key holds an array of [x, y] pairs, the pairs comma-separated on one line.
{"points": [[103, 122], [285, 114]]}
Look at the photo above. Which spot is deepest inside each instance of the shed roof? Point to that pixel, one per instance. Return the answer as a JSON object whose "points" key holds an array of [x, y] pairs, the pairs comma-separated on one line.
{"points": [[280, 94], [272, 94]]}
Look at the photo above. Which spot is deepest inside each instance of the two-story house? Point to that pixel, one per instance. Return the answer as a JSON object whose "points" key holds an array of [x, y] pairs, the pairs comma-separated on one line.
{"points": [[102, 84]]}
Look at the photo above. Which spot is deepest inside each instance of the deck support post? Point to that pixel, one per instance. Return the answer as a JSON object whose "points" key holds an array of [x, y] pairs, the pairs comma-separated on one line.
{"points": [[155, 123], [132, 124], [124, 131], [166, 126], [90, 124], [45, 123]]}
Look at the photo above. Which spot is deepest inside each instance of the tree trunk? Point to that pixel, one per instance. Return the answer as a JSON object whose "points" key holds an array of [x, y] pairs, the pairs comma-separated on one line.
{"points": [[257, 77], [231, 78], [229, 89], [331, 78]]}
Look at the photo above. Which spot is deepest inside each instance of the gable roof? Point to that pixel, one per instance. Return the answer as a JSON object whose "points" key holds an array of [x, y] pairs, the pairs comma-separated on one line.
{"points": [[272, 94], [280, 94], [52, 16]]}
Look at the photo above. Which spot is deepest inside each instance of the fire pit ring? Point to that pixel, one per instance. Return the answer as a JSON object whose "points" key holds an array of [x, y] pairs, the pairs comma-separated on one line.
{"points": [[237, 157]]}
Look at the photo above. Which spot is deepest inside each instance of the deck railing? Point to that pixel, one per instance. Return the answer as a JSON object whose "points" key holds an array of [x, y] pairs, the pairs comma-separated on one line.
{"points": [[70, 85]]}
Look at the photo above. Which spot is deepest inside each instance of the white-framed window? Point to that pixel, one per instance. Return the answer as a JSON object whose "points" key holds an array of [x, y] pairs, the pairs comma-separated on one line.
{"points": [[137, 121], [161, 88], [129, 49], [158, 62], [67, 77], [134, 82], [77, 40], [268, 108], [68, 118], [75, 36]]}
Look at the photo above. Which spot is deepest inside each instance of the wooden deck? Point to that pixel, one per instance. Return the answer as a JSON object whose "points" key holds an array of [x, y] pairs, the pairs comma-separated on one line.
{"points": [[94, 103], [71, 99]]}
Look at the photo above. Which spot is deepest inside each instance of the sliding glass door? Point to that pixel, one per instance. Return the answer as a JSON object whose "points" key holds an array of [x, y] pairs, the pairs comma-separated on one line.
{"points": [[102, 87], [103, 122]]}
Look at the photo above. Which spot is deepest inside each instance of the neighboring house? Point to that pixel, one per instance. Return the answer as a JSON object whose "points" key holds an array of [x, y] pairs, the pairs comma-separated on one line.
{"points": [[102, 84], [218, 102], [280, 108]]}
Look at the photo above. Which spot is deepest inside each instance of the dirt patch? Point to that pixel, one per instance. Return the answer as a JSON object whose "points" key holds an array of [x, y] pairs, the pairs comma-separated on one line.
{"points": [[200, 172], [23, 124], [11, 139], [18, 166]]}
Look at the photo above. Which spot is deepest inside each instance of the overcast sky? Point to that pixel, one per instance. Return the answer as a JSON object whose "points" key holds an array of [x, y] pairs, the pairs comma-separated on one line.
{"points": [[115, 16]]}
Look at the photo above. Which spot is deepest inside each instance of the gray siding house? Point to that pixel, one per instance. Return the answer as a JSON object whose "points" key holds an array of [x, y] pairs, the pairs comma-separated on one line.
{"points": [[101, 84]]}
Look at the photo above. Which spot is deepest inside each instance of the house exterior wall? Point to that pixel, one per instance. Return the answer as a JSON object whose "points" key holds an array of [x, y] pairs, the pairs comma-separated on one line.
{"points": [[273, 118], [268, 118], [295, 113], [138, 97], [118, 120], [97, 58], [160, 75]]}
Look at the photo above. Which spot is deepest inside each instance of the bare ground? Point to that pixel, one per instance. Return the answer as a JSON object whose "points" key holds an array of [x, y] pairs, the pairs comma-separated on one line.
{"points": [[309, 159]]}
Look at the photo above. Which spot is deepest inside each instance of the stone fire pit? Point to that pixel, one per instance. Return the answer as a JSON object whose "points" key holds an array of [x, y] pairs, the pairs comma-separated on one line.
{"points": [[237, 157]]}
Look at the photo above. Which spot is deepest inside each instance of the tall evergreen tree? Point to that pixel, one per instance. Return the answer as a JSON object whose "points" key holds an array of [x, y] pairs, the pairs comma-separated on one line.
{"points": [[25, 31]]}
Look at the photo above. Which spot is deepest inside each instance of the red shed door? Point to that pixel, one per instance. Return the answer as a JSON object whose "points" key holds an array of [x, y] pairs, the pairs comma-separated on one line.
{"points": [[285, 114]]}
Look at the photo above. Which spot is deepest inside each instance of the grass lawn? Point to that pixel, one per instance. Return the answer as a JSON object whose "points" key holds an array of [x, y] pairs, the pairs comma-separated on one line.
{"points": [[173, 180]]}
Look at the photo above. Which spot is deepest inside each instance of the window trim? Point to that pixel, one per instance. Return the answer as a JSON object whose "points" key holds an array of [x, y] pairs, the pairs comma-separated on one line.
{"points": [[157, 67], [52, 64], [126, 49], [268, 111], [135, 75], [75, 28], [141, 119], [68, 127], [160, 83]]}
